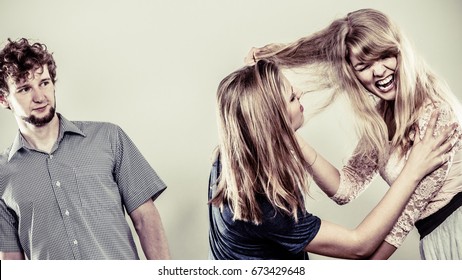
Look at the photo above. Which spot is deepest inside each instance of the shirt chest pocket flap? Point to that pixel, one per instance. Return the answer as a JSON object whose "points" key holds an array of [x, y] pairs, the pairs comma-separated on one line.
{"points": [[97, 188]]}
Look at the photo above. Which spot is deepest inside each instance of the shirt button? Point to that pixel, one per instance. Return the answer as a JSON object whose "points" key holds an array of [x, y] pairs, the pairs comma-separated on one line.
{"points": [[58, 183], [51, 156], [67, 213], [75, 242]]}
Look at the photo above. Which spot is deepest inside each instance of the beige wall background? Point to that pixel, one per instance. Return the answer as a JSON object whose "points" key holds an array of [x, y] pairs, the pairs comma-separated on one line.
{"points": [[153, 68]]}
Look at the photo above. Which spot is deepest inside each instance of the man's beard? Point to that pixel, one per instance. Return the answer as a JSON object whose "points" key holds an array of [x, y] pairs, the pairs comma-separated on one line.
{"points": [[39, 122]]}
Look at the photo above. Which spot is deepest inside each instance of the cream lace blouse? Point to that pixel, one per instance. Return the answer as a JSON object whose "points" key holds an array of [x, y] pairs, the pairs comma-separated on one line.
{"points": [[433, 192]]}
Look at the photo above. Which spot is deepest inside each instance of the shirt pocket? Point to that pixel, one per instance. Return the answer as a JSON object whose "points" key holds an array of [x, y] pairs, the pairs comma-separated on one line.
{"points": [[97, 188]]}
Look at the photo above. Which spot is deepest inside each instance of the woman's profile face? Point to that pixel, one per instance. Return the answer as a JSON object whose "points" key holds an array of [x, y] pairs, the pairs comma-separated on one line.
{"points": [[294, 108], [377, 76]]}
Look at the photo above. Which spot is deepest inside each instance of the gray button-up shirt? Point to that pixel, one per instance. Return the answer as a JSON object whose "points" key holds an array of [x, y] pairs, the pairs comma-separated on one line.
{"points": [[71, 203]]}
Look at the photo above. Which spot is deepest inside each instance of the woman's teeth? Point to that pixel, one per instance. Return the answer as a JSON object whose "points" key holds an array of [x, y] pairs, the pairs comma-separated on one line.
{"points": [[385, 84]]}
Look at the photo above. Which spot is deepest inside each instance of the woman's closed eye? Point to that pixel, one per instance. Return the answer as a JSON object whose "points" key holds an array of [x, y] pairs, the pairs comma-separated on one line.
{"points": [[361, 67]]}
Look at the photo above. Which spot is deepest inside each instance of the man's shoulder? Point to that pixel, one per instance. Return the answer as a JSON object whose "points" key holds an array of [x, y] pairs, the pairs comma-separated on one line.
{"points": [[96, 126]]}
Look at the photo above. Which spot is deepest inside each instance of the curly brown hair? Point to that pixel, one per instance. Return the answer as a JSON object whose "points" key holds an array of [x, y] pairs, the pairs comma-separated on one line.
{"points": [[19, 58]]}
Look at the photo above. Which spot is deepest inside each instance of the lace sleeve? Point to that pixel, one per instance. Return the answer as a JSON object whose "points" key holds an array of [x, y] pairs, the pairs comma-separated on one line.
{"points": [[430, 185], [355, 177]]}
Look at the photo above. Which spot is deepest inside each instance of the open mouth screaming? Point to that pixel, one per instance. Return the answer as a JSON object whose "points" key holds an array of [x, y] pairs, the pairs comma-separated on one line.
{"points": [[385, 84]]}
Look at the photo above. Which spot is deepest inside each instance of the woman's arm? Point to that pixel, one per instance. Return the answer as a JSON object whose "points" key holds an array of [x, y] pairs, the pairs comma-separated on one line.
{"points": [[383, 252], [344, 185], [326, 176], [337, 241]]}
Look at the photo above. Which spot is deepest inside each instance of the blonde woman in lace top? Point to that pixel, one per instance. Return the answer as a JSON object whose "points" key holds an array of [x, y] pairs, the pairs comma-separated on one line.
{"points": [[362, 55]]}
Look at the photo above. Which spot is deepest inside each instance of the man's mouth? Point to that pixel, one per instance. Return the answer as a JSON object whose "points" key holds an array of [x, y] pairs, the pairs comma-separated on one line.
{"points": [[40, 109]]}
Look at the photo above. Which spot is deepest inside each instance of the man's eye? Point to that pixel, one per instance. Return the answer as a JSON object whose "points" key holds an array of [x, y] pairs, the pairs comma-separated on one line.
{"points": [[24, 90]]}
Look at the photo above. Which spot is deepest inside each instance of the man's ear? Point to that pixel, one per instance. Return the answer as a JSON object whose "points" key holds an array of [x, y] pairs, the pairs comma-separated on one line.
{"points": [[4, 102]]}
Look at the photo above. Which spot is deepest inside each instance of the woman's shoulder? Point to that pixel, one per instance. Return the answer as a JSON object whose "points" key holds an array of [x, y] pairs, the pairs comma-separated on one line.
{"points": [[215, 157], [446, 112], [431, 105]]}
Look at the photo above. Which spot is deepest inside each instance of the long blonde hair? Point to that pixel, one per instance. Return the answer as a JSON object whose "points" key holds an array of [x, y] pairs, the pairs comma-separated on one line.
{"points": [[259, 154], [382, 125]]}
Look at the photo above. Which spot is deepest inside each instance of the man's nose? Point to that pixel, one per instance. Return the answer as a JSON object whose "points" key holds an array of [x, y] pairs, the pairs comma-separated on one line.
{"points": [[38, 95]]}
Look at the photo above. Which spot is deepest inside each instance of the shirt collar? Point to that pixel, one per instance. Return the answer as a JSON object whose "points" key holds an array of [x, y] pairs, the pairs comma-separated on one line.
{"points": [[65, 126]]}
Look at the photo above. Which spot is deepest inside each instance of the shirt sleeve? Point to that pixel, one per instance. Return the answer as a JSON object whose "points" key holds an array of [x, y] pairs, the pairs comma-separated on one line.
{"points": [[136, 179], [430, 185], [9, 241], [291, 235], [356, 176]]}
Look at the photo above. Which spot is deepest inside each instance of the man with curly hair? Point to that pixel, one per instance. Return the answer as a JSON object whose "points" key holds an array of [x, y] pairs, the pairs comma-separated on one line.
{"points": [[65, 185]]}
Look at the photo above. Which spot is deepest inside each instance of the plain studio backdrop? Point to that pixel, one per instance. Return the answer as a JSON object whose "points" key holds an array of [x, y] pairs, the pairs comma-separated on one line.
{"points": [[153, 68]]}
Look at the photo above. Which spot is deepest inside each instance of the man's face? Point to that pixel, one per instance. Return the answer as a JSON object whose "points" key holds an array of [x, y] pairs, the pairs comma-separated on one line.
{"points": [[33, 99]]}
